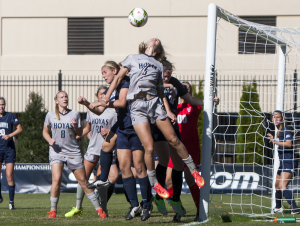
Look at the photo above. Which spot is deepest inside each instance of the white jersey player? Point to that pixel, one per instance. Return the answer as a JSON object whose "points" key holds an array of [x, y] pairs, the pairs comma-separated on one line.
{"points": [[98, 126], [65, 125]]}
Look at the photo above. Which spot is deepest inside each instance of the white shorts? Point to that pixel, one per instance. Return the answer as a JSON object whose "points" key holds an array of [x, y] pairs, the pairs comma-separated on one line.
{"points": [[145, 110], [91, 157], [72, 162]]}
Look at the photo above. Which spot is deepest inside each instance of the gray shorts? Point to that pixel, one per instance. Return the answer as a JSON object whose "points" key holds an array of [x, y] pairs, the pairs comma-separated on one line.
{"points": [[91, 157], [145, 110], [72, 162]]}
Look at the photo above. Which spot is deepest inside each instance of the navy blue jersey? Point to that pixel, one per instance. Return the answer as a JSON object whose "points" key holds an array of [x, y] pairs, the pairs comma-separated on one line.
{"points": [[7, 121], [285, 134], [123, 114], [181, 91]]}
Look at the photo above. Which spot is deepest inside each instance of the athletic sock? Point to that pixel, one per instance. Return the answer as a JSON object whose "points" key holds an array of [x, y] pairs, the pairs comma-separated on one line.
{"points": [[170, 190], [79, 197], [92, 197], [190, 163], [0, 188], [177, 184], [11, 192], [161, 172], [152, 177], [103, 197], [126, 195], [130, 187], [54, 202], [290, 199], [195, 191], [278, 196], [111, 189], [144, 185], [105, 162]]}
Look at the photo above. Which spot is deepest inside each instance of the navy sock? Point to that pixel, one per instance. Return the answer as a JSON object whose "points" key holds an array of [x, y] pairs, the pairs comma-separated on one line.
{"points": [[126, 196], [144, 185], [290, 199], [130, 187], [278, 196], [110, 191], [177, 184], [105, 162], [0, 188], [161, 174], [11, 192]]}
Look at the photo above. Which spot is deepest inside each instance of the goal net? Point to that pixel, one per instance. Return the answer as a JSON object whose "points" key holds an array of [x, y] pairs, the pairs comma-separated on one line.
{"points": [[252, 68]]}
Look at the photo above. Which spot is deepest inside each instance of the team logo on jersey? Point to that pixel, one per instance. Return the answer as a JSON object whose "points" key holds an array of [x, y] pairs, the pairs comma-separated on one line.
{"points": [[189, 109], [288, 136], [133, 119], [16, 120]]}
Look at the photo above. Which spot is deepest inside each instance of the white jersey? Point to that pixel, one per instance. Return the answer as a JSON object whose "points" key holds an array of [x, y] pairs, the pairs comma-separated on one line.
{"points": [[144, 72], [106, 120], [63, 133]]}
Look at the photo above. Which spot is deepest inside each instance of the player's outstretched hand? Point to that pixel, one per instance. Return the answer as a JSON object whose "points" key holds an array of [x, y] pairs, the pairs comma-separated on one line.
{"points": [[74, 123], [51, 142], [5, 137], [172, 117], [216, 100], [83, 101]]}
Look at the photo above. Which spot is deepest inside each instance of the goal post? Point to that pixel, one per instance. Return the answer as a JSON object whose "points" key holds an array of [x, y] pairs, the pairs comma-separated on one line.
{"points": [[238, 71]]}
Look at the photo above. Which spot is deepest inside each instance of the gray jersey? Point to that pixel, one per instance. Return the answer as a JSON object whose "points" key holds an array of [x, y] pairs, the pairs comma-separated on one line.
{"points": [[106, 120], [63, 133], [144, 72]]}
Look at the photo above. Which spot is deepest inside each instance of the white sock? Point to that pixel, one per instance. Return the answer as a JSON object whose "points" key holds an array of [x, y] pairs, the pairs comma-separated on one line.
{"points": [[54, 202], [79, 196], [152, 177]]}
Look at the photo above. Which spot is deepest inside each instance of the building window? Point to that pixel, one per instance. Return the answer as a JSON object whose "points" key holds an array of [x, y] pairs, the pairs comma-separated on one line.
{"points": [[250, 44], [85, 36]]}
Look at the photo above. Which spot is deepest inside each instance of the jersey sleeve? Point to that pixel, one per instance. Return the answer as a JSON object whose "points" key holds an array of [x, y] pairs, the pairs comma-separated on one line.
{"points": [[14, 120], [197, 109], [125, 83], [127, 62], [180, 88], [288, 134], [88, 117], [78, 120], [47, 120]]}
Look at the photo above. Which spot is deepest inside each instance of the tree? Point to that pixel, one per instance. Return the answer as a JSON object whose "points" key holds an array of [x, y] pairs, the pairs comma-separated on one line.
{"points": [[199, 95], [32, 147], [249, 141]]}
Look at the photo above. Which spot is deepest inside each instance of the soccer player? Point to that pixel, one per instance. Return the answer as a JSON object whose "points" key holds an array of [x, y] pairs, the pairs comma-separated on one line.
{"points": [[145, 97], [128, 145], [288, 163], [65, 125], [97, 127], [173, 90], [7, 149]]}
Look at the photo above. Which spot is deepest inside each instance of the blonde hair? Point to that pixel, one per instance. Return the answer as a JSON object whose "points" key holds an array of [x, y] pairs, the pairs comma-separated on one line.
{"points": [[56, 105], [158, 56], [112, 65], [190, 86]]}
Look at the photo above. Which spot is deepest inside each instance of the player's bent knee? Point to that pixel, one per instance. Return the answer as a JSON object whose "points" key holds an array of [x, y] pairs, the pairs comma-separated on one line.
{"points": [[174, 141]]}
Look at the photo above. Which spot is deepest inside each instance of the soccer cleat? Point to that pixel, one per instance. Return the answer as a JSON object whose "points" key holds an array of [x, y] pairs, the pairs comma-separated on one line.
{"points": [[73, 212], [11, 206], [146, 213], [177, 206], [199, 180], [133, 211], [161, 191], [295, 211], [277, 210], [98, 183], [176, 218], [160, 203], [52, 214], [1, 199], [101, 213], [196, 217]]}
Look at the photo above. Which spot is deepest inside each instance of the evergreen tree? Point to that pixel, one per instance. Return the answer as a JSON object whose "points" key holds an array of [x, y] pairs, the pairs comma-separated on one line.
{"points": [[249, 140], [199, 95], [32, 147]]}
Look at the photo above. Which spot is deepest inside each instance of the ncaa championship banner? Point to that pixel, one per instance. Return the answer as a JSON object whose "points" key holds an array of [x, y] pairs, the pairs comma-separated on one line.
{"points": [[232, 178]]}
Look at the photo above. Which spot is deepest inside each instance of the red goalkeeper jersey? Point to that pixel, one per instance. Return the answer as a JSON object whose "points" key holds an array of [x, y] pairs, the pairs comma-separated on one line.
{"points": [[187, 119]]}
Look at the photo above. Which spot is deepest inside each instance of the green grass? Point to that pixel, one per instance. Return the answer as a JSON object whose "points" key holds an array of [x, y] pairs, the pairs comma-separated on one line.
{"points": [[31, 209]]}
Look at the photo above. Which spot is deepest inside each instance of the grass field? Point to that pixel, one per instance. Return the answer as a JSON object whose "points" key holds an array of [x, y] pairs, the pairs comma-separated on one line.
{"points": [[31, 209]]}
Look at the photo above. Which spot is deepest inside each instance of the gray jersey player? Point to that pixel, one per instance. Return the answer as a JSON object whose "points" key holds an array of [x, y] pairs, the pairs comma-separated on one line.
{"points": [[147, 107], [63, 149], [97, 128]]}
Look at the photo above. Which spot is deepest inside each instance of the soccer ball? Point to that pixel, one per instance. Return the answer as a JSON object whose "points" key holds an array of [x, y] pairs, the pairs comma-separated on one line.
{"points": [[138, 17]]}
